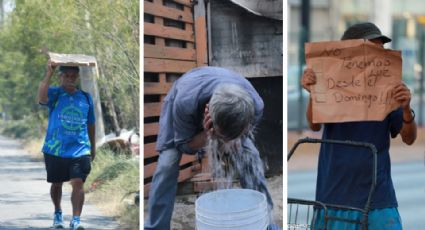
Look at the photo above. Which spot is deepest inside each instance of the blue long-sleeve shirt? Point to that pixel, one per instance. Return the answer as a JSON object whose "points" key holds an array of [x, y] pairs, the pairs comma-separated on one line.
{"points": [[183, 109]]}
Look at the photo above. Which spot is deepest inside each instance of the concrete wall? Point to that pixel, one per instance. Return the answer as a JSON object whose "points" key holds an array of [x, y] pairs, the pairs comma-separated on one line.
{"points": [[269, 136], [252, 45], [244, 42]]}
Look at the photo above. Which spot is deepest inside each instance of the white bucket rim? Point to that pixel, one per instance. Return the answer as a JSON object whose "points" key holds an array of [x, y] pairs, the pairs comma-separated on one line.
{"points": [[263, 200], [230, 225], [259, 217], [226, 215], [197, 209]]}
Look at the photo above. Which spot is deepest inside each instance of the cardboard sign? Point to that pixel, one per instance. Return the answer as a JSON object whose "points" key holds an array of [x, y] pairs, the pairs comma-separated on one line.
{"points": [[355, 79], [72, 59]]}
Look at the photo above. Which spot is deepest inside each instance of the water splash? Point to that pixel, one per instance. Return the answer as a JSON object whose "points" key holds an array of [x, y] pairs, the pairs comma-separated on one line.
{"points": [[232, 159]]}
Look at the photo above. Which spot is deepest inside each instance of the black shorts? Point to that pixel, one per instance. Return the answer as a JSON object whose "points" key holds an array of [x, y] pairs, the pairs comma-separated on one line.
{"points": [[63, 169]]}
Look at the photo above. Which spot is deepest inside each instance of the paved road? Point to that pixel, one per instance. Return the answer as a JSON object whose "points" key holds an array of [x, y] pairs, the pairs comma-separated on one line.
{"points": [[409, 182], [24, 194]]}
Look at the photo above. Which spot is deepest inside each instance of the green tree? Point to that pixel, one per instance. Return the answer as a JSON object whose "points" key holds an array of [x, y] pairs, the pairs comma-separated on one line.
{"points": [[108, 30]]}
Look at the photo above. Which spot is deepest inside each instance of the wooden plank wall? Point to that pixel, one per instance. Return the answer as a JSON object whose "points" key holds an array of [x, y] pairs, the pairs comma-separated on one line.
{"points": [[169, 51]]}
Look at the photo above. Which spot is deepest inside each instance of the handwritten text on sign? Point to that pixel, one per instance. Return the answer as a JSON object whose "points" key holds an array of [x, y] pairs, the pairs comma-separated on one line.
{"points": [[355, 79]]}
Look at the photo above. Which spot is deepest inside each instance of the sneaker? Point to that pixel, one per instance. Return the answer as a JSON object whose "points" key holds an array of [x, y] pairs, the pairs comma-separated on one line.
{"points": [[58, 220], [76, 225]]}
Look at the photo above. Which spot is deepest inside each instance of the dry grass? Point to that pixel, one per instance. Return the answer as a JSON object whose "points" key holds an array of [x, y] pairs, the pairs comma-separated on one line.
{"points": [[33, 147], [112, 183]]}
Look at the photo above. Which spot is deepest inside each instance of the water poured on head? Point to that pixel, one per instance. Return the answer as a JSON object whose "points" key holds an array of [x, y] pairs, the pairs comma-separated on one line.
{"points": [[236, 158], [232, 112], [220, 155]]}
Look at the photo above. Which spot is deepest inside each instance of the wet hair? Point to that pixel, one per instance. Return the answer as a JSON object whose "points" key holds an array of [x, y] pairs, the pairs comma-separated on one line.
{"points": [[232, 110]]}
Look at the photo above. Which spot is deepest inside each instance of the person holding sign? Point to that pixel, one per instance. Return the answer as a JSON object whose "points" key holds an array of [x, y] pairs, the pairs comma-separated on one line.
{"points": [[207, 108], [344, 172], [69, 146]]}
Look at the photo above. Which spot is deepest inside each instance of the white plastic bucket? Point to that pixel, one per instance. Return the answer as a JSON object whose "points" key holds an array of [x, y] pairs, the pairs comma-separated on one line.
{"points": [[226, 209]]}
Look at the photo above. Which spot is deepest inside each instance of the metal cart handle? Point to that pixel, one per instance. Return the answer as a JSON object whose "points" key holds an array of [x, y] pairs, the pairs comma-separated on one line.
{"points": [[369, 146]]}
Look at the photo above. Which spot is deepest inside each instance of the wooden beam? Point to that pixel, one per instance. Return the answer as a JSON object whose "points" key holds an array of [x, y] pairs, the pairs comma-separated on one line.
{"points": [[200, 34], [159, 42], [162, 77], [165, 65], [154, 51], [152, 109], [168, 32], [184, 174], [159, 21], [146, 189], [167, 12], [187, 173], [184, 2], [150, 150], [203, 186], [149, 170], [201, 177], [188, 158], [190, 45], [151, 129], [156, 88], [205, 165]]}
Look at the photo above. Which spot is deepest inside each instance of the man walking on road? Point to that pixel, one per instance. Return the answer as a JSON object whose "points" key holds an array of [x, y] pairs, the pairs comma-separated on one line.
{"points": [[69, 146]]}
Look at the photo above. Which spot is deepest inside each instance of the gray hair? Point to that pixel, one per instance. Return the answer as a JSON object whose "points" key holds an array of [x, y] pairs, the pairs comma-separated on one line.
{"points": [[232, 110]]}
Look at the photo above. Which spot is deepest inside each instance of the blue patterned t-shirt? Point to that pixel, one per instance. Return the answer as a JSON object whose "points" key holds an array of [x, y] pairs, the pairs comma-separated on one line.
{"points": [[69, 115]]}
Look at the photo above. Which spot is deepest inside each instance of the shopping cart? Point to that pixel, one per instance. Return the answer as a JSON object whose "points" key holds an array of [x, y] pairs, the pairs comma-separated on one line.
{"points": [[301, 213]]}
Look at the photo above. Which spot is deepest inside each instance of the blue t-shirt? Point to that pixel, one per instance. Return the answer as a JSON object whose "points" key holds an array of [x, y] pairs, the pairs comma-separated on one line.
{"points": [[69, 115], [345, 172], [183, 109]]}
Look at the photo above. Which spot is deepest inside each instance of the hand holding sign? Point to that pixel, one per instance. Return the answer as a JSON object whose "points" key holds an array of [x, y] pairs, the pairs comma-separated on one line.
{"points": [[353, 80], [308, 79], [402, 95]]}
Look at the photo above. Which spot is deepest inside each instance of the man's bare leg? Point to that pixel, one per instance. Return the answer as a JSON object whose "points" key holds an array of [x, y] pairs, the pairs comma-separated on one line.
{"points": [[56, 195], [77, 196]]}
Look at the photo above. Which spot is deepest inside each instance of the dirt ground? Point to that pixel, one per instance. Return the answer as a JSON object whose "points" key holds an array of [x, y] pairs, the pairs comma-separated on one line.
{"points": [[184, 208]]}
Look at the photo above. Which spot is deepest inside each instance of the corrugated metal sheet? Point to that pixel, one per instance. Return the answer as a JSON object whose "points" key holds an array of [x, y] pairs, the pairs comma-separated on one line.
{"points": [[267, 8]]}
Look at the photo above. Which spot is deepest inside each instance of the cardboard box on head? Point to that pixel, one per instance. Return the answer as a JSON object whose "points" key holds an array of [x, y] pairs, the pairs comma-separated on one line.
{"points": [[89, 74], [72, 59]]}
